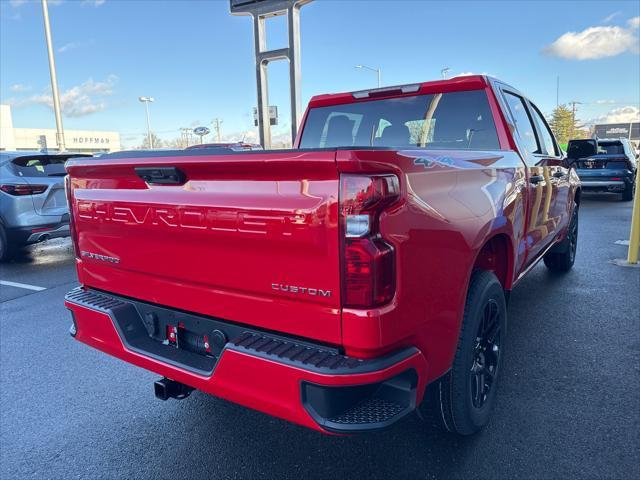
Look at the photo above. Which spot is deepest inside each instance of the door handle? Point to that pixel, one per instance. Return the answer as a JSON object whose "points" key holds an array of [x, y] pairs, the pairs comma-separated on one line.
{"points": [[535, 179], [161, 175]]}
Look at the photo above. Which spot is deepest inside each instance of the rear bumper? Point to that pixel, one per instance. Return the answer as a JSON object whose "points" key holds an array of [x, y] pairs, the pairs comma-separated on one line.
{"points": [[605, 181], [604, 185], [38, 233], [311, 385]]}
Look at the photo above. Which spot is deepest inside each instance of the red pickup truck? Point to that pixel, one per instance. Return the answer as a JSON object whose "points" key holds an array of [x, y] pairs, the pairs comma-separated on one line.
{"points": [[340, 285]]}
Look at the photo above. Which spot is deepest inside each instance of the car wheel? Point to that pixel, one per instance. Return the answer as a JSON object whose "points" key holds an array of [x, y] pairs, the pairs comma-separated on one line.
{"points": [[461, 400], [562, 256], [628, 193], [4, 245]]}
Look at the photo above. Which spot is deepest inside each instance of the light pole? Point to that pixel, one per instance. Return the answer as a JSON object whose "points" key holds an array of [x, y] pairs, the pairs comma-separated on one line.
{"points": [[444, 72], [146, 101], [377, 70], [54, 81]]}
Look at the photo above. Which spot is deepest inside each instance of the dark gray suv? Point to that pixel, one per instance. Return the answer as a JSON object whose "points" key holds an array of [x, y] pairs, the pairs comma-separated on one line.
{"points": [[33, 203]]}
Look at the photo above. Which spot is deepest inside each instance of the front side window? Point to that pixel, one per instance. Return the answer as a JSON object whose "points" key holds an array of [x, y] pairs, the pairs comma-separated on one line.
{"points": [[523, 122], [455, 120]]}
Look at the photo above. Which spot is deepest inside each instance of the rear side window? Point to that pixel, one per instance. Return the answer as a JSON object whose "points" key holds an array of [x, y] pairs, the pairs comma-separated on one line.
{"points": [[455, 120], [523, 122]]}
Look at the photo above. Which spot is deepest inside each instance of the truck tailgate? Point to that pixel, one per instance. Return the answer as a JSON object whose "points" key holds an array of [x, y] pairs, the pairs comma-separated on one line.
{"points": [[249, 237]]}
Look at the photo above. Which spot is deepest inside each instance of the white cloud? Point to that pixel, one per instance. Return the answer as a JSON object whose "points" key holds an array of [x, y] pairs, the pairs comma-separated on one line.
{"points": [[279, 139], [19, 3], [593, 43], [604, 102], [19, 88], [468, 74], [78, 101], [92, 3], [634, 22], [608, 18], [73, 45], [626, 114]]}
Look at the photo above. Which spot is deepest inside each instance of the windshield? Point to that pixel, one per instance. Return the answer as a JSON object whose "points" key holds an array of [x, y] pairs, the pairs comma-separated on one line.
{"points": [[455, 120]]}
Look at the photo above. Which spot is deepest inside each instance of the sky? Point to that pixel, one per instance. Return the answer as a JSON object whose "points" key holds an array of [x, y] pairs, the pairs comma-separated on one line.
{"points": [[197, 60]]}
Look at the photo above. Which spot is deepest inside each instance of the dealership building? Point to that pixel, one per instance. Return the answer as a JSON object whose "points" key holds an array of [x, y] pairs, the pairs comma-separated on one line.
{"points": [[619, 130], [29, 139]]}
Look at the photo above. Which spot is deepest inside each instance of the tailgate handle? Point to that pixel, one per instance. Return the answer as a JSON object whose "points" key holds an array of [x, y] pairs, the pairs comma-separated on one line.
{"points": [[161, 175]]}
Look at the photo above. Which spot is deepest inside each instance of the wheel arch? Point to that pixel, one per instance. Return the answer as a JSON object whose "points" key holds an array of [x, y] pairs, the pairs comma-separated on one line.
{"points": [[497, 256]]}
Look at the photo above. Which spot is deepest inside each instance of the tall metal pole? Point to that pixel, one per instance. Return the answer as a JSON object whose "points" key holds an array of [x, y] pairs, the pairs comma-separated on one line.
{"points": [[149, 139], [377, 70], [264, 123], [216, 126], [54, 80], [557, 91], [146, 101], [295, 75]]}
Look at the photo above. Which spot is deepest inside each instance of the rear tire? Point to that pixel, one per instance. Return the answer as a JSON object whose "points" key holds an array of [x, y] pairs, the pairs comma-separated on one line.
{"points": [[461, 401], [562, 256], [5, 250], [628, 193]]}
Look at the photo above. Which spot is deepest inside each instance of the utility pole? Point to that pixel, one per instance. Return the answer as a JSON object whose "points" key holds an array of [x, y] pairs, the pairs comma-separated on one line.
{"points": [[573, 116], [444, 72], [147, 101], [557, 91], [54, 80], [186, 135], [216, 125]]}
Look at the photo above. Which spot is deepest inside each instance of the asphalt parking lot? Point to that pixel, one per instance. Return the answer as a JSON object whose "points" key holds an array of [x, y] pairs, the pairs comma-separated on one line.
{"points": [[568, 405]]}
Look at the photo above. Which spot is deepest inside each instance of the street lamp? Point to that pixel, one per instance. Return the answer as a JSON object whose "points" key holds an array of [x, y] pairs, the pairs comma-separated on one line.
{"points": [[146, 101], [444, 72], [54, 81], [377, 70]]}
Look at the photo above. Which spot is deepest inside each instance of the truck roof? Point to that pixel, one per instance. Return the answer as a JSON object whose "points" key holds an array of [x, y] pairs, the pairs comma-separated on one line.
{"points": [[467, 82]]}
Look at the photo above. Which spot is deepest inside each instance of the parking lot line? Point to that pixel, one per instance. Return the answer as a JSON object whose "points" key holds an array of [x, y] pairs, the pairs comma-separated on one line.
{"points": [[22, 285]]}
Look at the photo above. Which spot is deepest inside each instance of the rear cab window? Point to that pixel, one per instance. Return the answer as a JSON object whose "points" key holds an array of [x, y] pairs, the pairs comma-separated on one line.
{"points": [[454, 120]]}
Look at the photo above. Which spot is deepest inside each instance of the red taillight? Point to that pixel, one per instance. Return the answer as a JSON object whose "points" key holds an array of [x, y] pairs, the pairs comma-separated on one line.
{"points": [[19, 190], [368, 261], [72, 227]]}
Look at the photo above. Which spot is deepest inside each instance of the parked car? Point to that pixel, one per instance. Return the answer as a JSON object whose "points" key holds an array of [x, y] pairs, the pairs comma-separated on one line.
{"points": [[340, 285], [611, 169], [33, 206], [237, 146]]}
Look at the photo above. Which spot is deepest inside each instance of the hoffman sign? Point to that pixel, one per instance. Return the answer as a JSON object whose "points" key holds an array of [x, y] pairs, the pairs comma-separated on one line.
{"points": [[93, 140]]}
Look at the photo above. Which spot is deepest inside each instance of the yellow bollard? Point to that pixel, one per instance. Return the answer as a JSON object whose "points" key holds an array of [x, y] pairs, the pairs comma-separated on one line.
{"points": [[634, 236]]}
